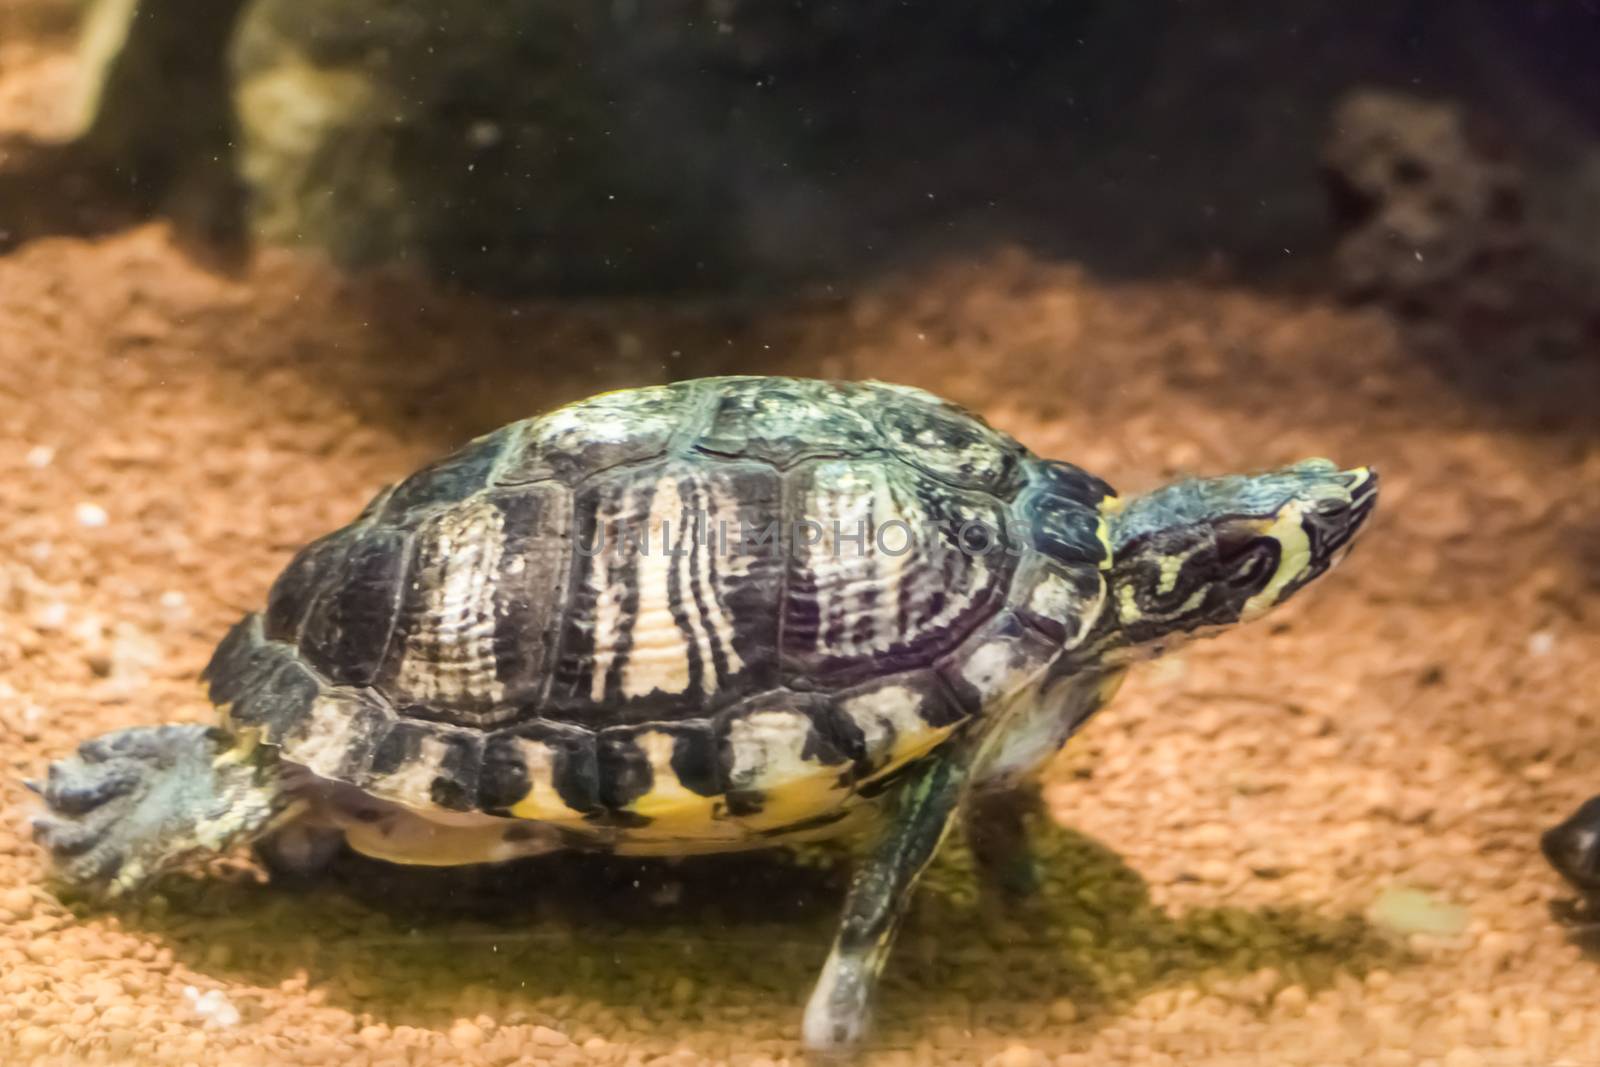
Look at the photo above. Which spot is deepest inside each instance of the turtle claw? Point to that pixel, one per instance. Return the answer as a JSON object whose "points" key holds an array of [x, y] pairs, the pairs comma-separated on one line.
{"points": [[32, 785], [78, 790], [66, 837], [78, 854], [84, 802]]}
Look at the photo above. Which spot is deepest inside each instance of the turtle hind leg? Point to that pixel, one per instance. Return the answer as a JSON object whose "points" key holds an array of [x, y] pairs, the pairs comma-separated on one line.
{"points": [[130, 804], [299, 852], [840, 1007], [996, 822]]}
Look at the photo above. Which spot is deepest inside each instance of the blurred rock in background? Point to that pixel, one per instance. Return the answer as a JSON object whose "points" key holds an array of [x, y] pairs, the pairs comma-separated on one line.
{"points": [[560, 145], [535, 145], [1441, 222], [526, 144]]}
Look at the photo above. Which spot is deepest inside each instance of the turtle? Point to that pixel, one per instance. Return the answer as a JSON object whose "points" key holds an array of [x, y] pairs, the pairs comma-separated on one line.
{"points": [[711, 615]]}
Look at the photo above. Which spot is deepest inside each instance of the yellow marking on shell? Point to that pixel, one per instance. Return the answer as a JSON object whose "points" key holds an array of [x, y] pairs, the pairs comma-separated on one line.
{"points": [[541, 803], [767, 749], [798, 798], [909, 750], [1110, 684], [861, 816], [672, 807], [1295, 557], [892, 730]]}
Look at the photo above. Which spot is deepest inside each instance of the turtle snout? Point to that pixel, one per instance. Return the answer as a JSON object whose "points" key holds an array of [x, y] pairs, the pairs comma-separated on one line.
{"points": [[1573, 847], [1361, 486]]}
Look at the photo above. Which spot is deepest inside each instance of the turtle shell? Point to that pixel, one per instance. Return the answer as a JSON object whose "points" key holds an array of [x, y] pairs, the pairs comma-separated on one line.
{"points": [[708, 610]]}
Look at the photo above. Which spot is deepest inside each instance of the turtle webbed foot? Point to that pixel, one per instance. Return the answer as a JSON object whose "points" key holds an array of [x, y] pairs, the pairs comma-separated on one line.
{"points": [[130, 804]]}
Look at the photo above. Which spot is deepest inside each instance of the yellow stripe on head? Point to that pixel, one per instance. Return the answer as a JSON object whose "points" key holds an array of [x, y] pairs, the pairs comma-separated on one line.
{"points": [[1294, 557], [1108, 507], [1359, 476]]}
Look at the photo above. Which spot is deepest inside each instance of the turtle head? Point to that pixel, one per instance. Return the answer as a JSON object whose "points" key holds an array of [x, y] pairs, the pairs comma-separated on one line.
{"points": [[1201, 554], [130, 804]]}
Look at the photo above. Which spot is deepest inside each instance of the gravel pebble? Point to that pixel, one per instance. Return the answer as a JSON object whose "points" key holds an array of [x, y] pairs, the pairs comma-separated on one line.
{"points": [[466, 1034], [34, 1040], [91, 516], [544, 1035], [16, 902], [1018, 1056]]}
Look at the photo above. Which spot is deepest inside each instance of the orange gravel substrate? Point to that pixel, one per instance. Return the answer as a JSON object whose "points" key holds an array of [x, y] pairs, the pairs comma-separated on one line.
{"points": [[1221, 838]]}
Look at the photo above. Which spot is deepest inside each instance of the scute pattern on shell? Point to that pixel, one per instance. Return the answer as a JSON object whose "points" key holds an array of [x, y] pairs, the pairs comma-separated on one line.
{"points": [[860, 603], [486, 637]]}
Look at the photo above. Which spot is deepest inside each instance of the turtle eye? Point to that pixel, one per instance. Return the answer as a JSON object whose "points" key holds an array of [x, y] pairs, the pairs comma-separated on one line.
{"points": [[1252, 573], [1332, 508], [1234, 544]]}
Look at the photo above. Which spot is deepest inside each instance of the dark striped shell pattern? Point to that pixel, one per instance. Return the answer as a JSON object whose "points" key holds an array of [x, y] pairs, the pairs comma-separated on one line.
{"points": [[719, 607]]}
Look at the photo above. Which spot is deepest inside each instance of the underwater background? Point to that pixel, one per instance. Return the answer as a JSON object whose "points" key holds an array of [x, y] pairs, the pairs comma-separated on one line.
{"points": [[258, 260]]}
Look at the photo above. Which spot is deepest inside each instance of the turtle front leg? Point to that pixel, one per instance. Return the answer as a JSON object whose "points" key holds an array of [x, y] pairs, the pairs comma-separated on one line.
{"points": [[996, 821], [132, 803], [840, 1007]]}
